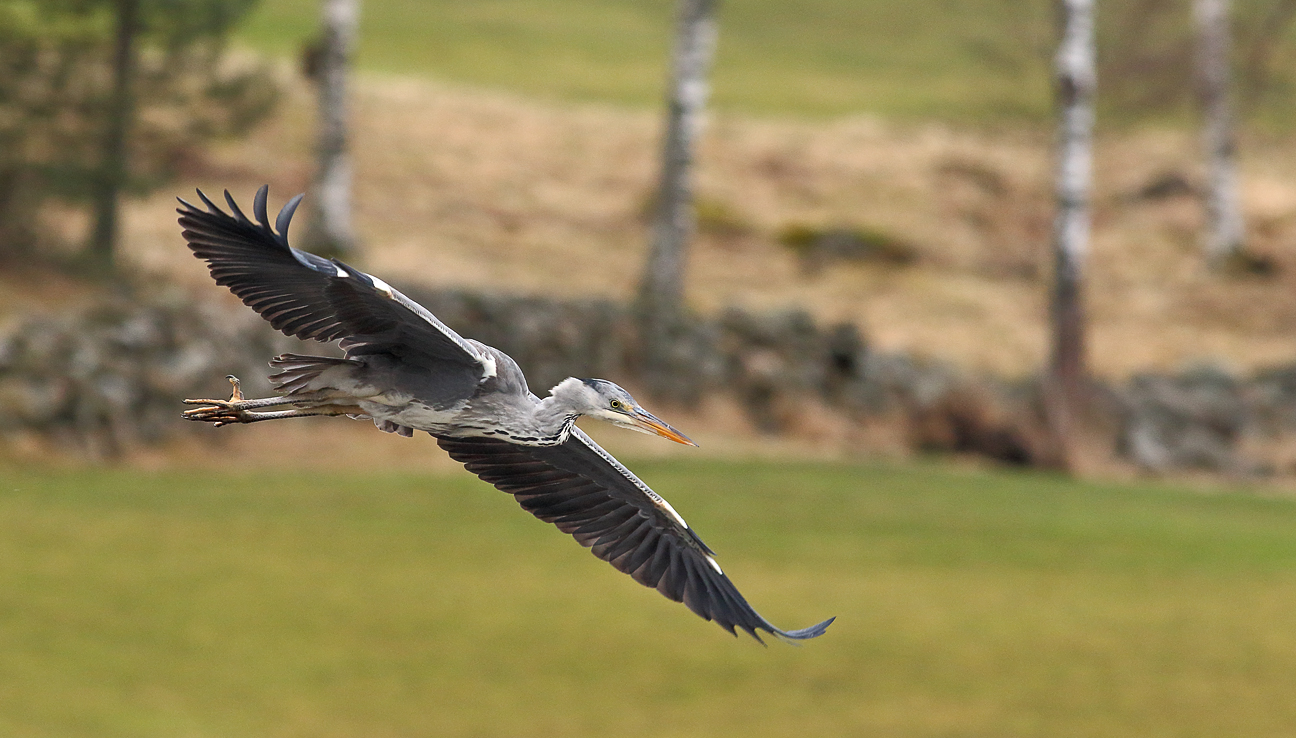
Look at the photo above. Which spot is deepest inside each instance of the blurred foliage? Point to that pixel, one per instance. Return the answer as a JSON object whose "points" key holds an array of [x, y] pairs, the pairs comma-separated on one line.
{"points": [[55, 85], [713, 216], [817, 247]]}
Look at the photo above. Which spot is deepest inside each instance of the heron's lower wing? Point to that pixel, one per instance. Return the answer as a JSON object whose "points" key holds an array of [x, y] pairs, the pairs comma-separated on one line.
{"points": [[586, 493], [307, 296]]}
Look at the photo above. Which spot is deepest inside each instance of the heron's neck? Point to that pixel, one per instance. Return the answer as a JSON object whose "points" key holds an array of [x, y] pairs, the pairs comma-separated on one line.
{"points": [[553, 419]]}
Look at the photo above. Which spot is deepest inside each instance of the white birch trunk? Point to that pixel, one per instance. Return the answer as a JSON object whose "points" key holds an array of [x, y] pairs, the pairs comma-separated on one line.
{"points": [[1225, 230], [1076, 80], [330, 230], [662, 287]]}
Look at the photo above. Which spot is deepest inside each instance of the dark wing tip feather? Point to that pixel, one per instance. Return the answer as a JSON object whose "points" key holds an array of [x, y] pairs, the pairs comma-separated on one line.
{"points": [[805, 634], [211, 206], [259, 209], [234, 208], [285, 216]]}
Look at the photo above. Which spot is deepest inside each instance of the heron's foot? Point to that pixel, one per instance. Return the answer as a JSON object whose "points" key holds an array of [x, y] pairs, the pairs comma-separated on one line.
{"points": [[221, 412], [219, 416]]}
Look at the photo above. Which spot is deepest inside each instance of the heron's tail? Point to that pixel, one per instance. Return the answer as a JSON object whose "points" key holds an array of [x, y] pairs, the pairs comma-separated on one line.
{"points": [[297, 373]]}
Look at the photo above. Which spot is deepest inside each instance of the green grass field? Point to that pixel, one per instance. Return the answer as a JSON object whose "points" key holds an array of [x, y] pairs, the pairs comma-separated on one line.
{"points": [[960, 60], [957, 58], [969, 604], [979, 61]]}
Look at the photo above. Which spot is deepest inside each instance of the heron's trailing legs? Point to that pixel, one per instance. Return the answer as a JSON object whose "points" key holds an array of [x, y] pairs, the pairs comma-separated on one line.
{"points": [[237, 409]]}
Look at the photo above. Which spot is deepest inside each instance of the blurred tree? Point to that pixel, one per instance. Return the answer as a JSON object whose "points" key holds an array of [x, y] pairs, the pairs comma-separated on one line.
{"points": [[327, 62], [1076, 80], [1224, 238], [104, 97], [106, 185], [661, 290], [1147, 50]]}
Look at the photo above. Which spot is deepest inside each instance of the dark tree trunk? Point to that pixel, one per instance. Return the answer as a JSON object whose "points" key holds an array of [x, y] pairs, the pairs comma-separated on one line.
{"points": [[329, 231], [1225, 232], [1076, 79], [661, 291], [111, 178], [16, 236]]}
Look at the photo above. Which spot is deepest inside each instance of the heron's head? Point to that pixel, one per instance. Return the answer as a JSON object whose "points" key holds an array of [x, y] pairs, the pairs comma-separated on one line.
{"points": [[599, 398]]}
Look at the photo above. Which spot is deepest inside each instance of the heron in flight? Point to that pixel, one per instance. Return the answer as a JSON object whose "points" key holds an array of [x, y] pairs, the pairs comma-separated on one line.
{"points": [[408, 371]]}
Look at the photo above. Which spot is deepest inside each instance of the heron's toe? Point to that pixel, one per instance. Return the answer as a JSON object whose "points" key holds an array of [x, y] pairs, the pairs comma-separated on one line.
{"points": [[219, 412], [206, 410]]}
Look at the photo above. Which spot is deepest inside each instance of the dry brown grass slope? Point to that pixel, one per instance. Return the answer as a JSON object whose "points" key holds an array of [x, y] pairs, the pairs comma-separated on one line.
{"points": [[467, 187]]}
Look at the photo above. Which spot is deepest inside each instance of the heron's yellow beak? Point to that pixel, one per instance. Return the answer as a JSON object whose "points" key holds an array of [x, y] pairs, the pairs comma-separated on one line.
{"points": [[649, 423]]}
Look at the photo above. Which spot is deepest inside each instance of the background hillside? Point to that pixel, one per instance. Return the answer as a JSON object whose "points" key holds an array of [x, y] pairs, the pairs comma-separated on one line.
{"points": [[464, 186]]}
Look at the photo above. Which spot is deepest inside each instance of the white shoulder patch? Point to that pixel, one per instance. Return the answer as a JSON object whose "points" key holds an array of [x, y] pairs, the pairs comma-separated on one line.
{"points": [[488, 364], [714, 565], [662, 503], [383, 287]]}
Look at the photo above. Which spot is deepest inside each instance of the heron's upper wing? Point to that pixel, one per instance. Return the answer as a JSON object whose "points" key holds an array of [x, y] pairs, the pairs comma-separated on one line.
{"points": [[580, 488], [307, 296]]}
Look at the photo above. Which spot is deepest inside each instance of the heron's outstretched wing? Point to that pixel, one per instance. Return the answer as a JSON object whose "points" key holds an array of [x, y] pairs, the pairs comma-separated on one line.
{"points": [[580, 488], [307, 296]]}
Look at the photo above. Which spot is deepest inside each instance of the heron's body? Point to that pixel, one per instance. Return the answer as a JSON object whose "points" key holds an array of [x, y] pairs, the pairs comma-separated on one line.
{"points": [[407, 371], [402, 401]]}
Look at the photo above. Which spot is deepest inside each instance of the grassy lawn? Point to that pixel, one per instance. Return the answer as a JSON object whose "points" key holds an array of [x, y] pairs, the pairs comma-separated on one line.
{"points": [[961, 60], [957, 58], [969, 604]]}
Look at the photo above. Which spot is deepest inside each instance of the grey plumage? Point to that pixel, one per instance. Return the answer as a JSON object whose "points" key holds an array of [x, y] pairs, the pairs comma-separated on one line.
{"points": [[408, 371]]}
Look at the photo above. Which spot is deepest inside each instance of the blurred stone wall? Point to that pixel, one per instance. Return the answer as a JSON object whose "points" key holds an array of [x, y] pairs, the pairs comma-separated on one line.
{"points": [[102, 379]]}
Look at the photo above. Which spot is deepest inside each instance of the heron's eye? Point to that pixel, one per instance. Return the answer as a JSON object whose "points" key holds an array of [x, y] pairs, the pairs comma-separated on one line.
{"points": [[616, 405]]}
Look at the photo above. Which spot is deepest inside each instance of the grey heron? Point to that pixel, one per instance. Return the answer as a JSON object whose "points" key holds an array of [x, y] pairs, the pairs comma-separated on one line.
{"points": [[406, 370]]}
